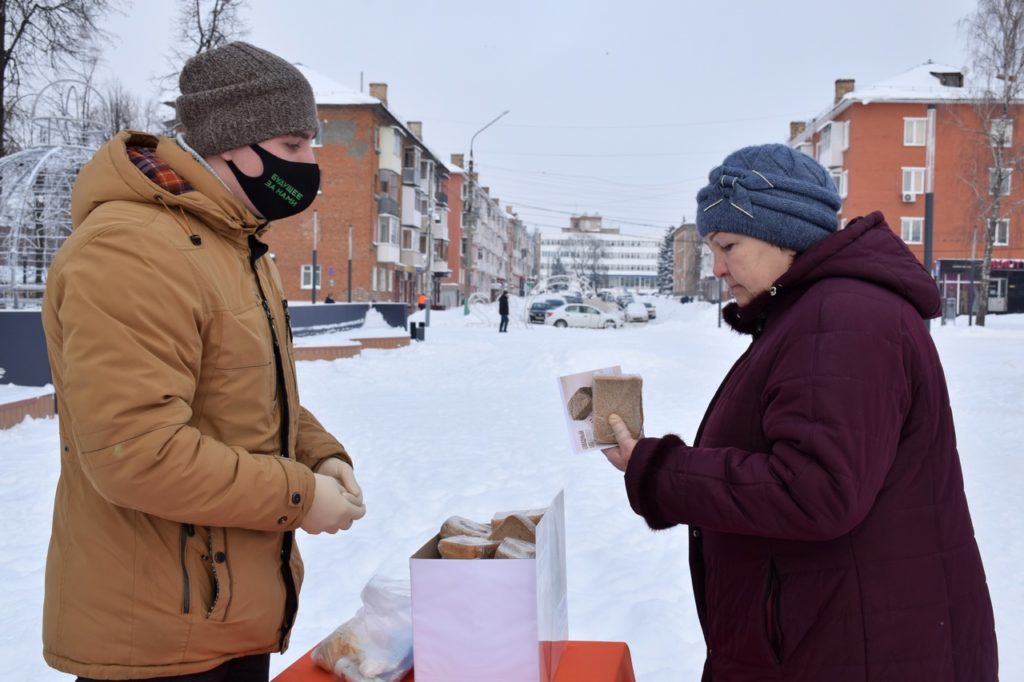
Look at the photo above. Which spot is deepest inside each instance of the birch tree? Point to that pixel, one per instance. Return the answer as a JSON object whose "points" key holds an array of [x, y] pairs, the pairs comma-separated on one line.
{"points": [[995, 34]]}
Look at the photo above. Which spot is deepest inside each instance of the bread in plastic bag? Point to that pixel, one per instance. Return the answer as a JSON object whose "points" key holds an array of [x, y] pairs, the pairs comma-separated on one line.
{"points": [[375, 645]]}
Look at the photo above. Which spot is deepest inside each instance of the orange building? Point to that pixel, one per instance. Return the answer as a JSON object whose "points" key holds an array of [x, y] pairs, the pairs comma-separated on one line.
{"points": [[874, 141], [381, 191]]}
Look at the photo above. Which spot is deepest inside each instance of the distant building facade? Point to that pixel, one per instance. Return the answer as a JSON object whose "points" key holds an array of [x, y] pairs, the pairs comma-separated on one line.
{"points": [[686, 260], [603, 255]]}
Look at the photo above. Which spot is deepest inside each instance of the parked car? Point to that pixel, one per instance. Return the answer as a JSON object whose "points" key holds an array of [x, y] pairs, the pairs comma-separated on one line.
{"points": [[573, 298], [652, 312], [538, 310], [636, 312], [582, 315]]}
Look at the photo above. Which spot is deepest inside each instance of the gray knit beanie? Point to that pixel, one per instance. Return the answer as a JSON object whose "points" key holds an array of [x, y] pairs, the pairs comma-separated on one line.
{"points": [[770, 192], [237, 95]]}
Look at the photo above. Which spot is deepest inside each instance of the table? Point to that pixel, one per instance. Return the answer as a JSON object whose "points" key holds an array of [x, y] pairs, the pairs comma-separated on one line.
{"points": [[581, 662]]}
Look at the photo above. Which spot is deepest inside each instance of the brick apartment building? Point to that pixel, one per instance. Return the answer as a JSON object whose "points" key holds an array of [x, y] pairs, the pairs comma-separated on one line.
{"points": [[382, 189], [450, 288], [386, 190], [874, 139]]}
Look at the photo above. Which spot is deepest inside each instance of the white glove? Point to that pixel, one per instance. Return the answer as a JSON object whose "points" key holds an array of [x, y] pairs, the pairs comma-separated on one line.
{"points": [[333, 508], [342, 472]]}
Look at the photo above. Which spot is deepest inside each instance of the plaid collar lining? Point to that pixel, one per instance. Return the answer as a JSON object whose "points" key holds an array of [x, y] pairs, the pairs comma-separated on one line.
{"points": [[146, 160]]}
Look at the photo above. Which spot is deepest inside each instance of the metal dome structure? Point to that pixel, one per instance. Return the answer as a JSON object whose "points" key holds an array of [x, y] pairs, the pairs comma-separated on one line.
{"points": [[35, 189]]}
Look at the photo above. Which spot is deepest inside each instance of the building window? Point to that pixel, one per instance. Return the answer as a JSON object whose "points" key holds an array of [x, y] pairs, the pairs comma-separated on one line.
{"points": [[408, 237], [912, 230], [840, 178], [914, 132], [397, 148], [1001, 237], [999, 180], [318, 138], [913, 180], [307, 276], [387, 229], [1001, 132], [381, 279]]}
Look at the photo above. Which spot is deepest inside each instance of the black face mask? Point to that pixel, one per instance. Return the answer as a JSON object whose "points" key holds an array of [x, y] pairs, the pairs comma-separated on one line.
{"points": [[285, 187]]}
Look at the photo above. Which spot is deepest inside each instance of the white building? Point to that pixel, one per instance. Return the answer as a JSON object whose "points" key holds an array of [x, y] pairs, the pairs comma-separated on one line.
{"points": [[605, 256]]}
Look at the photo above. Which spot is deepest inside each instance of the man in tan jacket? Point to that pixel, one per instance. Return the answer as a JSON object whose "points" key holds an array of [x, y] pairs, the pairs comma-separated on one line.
{"points": [[187, 461]]}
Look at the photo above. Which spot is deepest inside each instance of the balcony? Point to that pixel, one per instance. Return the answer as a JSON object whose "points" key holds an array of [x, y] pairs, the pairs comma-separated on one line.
{"points": [[389, 206], [411, 215], [410, 176], [439, 230], [413, 259], [440, 267], [388, 253]]}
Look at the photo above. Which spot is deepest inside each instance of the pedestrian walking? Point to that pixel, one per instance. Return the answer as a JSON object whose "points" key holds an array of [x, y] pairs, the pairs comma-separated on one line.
{"points": [[503, 312]]}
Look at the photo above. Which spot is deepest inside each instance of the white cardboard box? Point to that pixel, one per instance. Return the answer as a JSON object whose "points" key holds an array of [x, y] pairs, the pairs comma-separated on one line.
{"points": [[499, 620]]}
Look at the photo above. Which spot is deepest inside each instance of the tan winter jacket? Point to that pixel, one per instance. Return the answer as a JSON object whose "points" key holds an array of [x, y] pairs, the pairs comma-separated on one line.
{"points": [[186, 459]]}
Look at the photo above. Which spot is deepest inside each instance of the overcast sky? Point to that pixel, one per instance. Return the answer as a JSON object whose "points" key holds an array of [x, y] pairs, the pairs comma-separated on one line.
{"points": [[615, 108]]}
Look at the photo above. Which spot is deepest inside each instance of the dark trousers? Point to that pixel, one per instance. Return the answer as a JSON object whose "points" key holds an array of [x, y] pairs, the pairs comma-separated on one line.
{"points": [[503, 327], [245, 669]]}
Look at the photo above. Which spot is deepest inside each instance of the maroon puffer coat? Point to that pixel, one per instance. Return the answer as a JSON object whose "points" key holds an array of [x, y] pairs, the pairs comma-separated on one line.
{"points": [[830, 538]]}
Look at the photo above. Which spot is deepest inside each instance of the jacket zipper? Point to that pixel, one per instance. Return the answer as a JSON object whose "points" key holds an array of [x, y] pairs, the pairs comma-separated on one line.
{"points": [[291, 602], [187, 530], [773, 612]]}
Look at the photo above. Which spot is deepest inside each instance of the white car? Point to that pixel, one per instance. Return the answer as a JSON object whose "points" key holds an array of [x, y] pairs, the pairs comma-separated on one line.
{"points": [[636, 312], [582, 315]]}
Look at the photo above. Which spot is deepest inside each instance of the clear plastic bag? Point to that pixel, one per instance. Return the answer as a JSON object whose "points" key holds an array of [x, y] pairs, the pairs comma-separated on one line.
{"points": [[375, 645]]}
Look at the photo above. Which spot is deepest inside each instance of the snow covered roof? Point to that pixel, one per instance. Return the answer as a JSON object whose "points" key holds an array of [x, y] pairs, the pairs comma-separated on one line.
{"points": [[925, 82], [328, 91]]}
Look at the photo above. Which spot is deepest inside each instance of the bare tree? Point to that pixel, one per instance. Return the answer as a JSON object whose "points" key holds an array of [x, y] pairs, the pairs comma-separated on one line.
{"points": [[41, 35], [585, 254], [995, 34], [202, 26], [122, 110]]}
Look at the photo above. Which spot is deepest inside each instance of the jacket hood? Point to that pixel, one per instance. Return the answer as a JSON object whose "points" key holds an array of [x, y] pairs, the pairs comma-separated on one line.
{"points": [[867, 250], [111, 176]]}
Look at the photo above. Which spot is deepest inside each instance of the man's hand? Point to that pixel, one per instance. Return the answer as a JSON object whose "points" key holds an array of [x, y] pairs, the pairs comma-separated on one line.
{"points": [[341, 471], [333, 509], [619, 454]]}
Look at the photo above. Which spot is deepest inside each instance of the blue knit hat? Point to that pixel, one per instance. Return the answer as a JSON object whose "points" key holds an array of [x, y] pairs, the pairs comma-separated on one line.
{"points": [[771, 192]]}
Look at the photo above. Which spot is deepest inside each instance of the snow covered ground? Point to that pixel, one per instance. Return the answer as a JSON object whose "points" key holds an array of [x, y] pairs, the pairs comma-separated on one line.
{"points": [[469, 423]]}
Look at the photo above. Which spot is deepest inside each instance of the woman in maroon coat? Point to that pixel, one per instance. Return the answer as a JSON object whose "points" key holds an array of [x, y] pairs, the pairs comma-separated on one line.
{"points": [[830, 538]]}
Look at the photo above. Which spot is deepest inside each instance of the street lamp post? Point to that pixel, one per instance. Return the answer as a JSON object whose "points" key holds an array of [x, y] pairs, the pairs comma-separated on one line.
{"points": [[929, 193], [316, 229], [350, 262], [471, 212]]}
